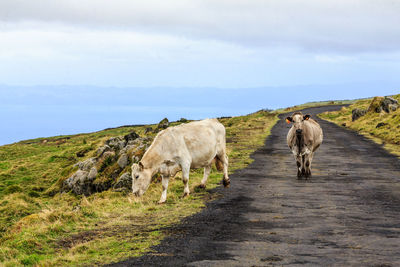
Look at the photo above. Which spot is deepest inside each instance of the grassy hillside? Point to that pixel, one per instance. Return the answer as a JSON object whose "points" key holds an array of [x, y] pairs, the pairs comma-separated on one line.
{"points": [[38, 227], [315, 104], [388, 134]]}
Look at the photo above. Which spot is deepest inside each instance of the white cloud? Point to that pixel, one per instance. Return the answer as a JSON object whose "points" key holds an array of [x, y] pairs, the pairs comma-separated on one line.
{"points": [[331, 25]]}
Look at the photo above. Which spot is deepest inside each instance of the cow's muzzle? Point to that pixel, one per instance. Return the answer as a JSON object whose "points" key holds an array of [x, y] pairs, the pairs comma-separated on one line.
{"points": [[299, 131]]}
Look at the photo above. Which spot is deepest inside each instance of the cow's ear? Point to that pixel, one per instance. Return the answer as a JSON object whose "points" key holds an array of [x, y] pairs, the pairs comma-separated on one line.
{"points": [[306, 117], [141, 167], [289, 120]]}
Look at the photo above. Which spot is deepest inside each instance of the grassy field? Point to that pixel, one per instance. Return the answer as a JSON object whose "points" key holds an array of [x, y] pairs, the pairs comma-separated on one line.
{"points": [[38, 227], [387, 135]]}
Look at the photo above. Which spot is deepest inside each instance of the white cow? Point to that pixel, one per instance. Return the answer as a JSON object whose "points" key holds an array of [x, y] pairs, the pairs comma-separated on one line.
{"points": [[183, 147]]}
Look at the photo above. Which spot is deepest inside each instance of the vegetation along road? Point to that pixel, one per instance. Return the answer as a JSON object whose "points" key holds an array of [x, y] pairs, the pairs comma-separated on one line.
{"points": [[348, 214]]}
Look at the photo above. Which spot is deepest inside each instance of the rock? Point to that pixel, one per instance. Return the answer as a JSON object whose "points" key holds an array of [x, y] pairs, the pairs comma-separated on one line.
{"points": [[163, 124], [123, 161], [389, 104], [92, 173], [126, 149], [100, 173], [148, 130], [357, 113], [78, 183], [381, 124], [108, 154], [87, 164], [123, 182], [131, 136], [102, 149], [116, 143]]}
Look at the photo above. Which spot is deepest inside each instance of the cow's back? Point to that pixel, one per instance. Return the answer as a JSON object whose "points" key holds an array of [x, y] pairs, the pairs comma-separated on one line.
{"points": [[197, 141], [202, 139]]}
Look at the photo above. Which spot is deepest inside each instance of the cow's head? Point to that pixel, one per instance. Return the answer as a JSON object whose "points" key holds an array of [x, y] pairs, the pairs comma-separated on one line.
{"points": [[141, 178], [298, 121]]}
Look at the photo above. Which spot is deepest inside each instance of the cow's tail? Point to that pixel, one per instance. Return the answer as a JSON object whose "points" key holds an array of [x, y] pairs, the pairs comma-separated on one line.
{"points": [[218, 164]]}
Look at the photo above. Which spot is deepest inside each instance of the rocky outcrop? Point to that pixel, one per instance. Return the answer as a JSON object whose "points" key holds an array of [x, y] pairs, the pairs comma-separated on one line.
{"points": [[389, 104], [107, 168], [163, 124], [357, 113], [124, 182], [379, 104]]}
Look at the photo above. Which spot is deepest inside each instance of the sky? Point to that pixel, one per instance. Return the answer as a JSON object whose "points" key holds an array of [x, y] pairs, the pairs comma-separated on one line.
{"points": [[72, 66]]}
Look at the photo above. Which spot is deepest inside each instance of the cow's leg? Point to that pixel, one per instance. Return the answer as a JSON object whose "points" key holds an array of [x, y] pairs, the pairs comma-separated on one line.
{"points": [[299, 163], [308, 160], [165, 180], [185, 179], [224, 158], [207, 171], [303, 163]]}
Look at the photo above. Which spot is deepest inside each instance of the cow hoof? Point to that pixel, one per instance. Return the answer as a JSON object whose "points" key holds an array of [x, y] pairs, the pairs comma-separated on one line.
{"points": [[299, 175], [185, 195], [226, 182], [161, 202], [202, 186]]}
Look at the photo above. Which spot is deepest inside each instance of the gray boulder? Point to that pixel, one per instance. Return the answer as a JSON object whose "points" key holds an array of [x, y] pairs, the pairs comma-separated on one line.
{"points": [[86, 165], [357, 113], [123, 161], [131, 136], [116, 143], [123, 182], [78, 183], [102, 149], [389, 104], [92, 174]]}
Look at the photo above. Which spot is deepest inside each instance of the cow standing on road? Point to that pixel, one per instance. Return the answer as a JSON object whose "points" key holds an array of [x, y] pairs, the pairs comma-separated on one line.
{"points": [[304, 138], [181, 148]]}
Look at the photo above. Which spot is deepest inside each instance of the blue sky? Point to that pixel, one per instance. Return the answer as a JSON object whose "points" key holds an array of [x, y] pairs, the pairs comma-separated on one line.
{"points": [[72, 66]]}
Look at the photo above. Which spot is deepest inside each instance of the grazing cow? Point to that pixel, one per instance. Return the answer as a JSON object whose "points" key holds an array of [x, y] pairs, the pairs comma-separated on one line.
{"points": [[304, 137], [183, 147]]}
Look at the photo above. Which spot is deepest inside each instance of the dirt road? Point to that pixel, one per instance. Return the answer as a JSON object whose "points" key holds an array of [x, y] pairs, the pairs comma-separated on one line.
{"points": [[348, 214]]}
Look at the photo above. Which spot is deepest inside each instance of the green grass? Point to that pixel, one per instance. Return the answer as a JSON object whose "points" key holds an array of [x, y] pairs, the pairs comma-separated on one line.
{"points": [[388, 135], [40, 226]]}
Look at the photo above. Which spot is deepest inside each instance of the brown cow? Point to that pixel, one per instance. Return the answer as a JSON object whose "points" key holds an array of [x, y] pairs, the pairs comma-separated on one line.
{"points": [[304, 137]]}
